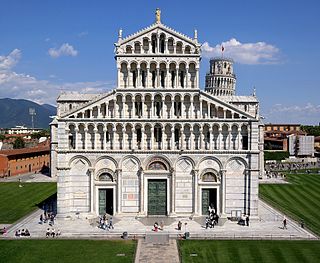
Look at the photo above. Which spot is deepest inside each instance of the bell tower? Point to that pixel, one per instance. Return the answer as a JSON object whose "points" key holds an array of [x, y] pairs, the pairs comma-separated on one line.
{"points": [[221, 81]]}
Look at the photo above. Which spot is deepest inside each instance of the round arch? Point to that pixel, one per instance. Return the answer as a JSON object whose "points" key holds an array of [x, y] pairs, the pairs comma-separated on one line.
{"points": [[161, 158], [212, 158], [80, 157]]}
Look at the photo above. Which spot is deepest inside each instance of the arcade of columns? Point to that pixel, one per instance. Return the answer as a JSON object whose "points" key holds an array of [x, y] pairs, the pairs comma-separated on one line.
{"points": [[156, 136]]}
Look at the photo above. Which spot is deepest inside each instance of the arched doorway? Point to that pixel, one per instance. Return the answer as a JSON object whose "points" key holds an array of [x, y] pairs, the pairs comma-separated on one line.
{"points": [[157, 185], [210, 184], [105, 195]]}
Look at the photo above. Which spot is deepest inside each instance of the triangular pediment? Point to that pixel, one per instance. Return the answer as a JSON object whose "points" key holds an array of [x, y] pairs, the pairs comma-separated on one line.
{"points": [[102, 98], [225, 105], [157, 28], [105, 99]]}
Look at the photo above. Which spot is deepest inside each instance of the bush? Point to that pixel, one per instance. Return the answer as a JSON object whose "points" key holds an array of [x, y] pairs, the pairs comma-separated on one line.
{"points": [[278, 156], [18, 143], [311, 130]]}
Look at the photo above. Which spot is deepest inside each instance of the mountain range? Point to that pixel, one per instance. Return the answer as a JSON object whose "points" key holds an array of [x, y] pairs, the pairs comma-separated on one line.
{"points": [[16, 112]]}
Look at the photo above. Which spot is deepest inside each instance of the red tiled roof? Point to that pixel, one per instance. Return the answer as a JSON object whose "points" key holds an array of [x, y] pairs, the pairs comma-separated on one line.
{"points": [[25, 150]]}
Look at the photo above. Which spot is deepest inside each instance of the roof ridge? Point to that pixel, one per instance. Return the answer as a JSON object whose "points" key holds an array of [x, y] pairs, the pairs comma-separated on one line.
{"points": [[95, 99], [157, 25]]}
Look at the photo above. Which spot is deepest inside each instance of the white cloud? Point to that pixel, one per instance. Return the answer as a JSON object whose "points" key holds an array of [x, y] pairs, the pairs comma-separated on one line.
{"points": [[64, 50], [304, 114], [8, 62], [20, 85], [83, 34], [244, 53]]}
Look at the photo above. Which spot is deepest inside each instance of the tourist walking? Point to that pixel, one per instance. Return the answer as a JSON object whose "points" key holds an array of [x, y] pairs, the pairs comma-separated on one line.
{"points": [[111, 223], [247, 220], [284, 222], [179, 225]]}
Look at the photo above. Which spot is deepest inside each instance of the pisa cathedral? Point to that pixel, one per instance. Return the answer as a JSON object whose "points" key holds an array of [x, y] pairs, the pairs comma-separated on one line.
{"points": [[158, 144]]}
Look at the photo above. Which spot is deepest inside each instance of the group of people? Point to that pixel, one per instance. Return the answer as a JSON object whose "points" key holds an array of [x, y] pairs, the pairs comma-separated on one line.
{"points": [[52, 233], [291, 166], [47, 217], [22, 233], [157, 227], [275, 174], [212, 219], [244, 220], [105, 223]]}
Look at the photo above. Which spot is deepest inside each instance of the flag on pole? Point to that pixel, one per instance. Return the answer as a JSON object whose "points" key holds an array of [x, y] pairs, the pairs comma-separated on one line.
{"points": [[222, 48]]}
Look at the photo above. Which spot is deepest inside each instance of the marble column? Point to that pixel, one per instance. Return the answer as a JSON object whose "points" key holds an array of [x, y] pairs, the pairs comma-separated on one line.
{"points": [[211, 138], [191, 109], [191, 139], [187, 78], [173, 192], [147, 77], [128, 78], [142, 140], [86, 135], [141, 181], [119, 73], [152, 138], [105, 129], [196, 192], [183, 109], [239, 139], [197, 79], [119, 185], [223, 195], [177, 79], [158, 78], [95, 138], [152, 108], [106, 114], [200, 138], [172, 139], [77, 138], [133, 108], [182, 139]]}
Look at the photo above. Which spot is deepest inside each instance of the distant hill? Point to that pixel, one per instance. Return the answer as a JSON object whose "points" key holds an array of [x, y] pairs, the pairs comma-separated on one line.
{"points": [[16, 112]]}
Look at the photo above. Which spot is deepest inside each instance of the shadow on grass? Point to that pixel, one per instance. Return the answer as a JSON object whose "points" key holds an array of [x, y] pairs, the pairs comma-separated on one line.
{"points": [[49, 204]]}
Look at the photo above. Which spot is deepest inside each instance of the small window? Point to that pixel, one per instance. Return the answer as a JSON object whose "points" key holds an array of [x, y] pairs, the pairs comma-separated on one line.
{"points": [[105, 177], [209, 177], [157, 166]]}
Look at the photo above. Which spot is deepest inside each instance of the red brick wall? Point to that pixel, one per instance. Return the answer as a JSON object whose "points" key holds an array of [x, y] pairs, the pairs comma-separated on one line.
{"points": [[25, 163]]}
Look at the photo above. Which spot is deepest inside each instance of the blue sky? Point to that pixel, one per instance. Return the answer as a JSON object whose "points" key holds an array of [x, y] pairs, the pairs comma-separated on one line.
{"points": [[50, 46]]}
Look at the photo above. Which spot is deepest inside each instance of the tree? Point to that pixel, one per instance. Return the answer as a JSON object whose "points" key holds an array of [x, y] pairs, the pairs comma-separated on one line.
{"points": [[38, 135], [18, 143], [2, 137], [311, 130]]}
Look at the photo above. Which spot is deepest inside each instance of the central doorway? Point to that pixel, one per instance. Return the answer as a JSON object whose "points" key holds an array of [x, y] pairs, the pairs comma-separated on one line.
{"points": [[157, 197], [209, 197], [105, 201]]}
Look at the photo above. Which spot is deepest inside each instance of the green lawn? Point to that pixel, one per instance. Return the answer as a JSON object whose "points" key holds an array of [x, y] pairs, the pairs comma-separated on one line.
{"points": [[300, 199], [64, 251], [16, 202], [225, 251]]}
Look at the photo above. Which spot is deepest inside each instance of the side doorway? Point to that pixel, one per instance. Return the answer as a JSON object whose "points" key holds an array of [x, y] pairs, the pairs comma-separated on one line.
{"points": [[106, 201], [209, 197]]}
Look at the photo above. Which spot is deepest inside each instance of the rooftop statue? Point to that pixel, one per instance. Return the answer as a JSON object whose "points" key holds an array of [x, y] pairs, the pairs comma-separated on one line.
{"points": [[158, 16]]}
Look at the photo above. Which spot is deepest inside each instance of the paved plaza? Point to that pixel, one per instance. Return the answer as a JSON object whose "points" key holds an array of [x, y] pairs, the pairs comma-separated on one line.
{"points": [[267, 226]]}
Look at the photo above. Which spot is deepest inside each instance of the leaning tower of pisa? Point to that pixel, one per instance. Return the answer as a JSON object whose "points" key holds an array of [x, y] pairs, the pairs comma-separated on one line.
{"points": [[221, 81]]}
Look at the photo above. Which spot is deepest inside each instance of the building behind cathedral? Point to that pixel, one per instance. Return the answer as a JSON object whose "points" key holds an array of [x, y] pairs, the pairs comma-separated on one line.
{"points": [[158, 144]]}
